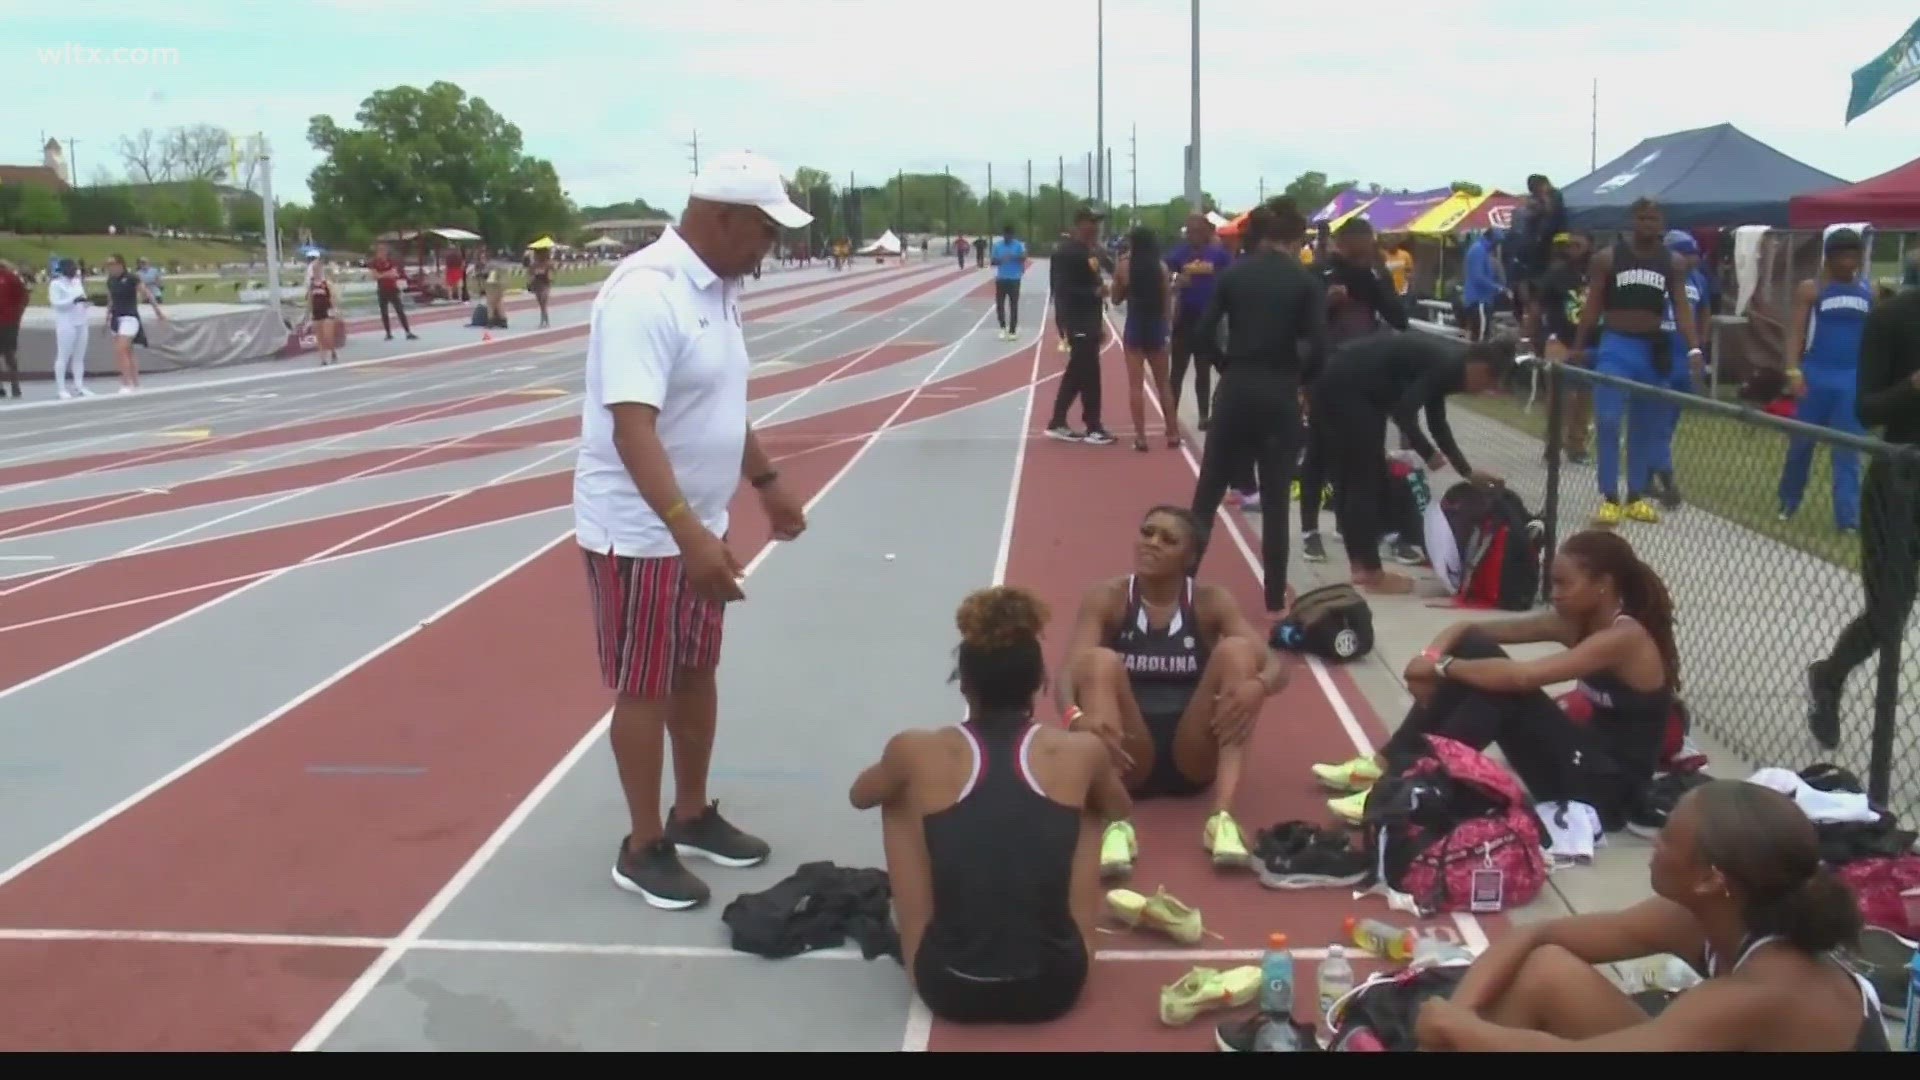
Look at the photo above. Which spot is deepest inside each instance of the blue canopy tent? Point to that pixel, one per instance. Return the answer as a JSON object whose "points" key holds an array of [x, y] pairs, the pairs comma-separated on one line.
{"points": [[1711, 177]]}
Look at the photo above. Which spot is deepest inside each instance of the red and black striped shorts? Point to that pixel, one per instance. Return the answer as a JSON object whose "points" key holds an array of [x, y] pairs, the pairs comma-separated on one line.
{"points": [[648, 623]]}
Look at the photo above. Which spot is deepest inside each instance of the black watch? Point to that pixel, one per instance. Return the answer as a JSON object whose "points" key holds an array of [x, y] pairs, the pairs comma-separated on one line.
{"points": [[765, 479]]}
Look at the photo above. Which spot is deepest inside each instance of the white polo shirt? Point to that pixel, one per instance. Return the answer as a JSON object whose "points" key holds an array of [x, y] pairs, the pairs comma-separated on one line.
{"points": [[664, 331]]}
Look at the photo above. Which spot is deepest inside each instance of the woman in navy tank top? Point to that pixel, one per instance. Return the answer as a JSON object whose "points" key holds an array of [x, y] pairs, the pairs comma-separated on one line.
{"points": [[1741, 896], [1173, 676], [992, 832], [1614, 617]]}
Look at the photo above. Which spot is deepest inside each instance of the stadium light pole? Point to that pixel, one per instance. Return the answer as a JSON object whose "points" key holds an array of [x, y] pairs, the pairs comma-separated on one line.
{"points": [[1193, 121], [1100, 102]]}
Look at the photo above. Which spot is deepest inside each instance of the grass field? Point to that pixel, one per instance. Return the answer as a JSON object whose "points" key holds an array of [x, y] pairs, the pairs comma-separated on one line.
{"points": [[94, 250], [1727, 468]]}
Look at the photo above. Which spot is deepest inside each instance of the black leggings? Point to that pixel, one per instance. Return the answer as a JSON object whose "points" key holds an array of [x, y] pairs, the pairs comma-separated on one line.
{"points": [[399, 309], [1554, 757], [1256, 419], [1081, 379], [1054, 985], [1889, 567], [1006, 304], [1349, 445], [1182, 352]]}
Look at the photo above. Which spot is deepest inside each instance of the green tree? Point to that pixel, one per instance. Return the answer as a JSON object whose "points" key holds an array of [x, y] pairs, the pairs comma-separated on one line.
{"points": [[1310, 191], [432, 158], [39, 211], [202, 209], [1468, 187]]}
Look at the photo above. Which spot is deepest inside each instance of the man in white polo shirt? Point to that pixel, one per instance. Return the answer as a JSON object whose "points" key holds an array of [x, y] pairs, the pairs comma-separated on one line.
{"points": [[665, 443]]}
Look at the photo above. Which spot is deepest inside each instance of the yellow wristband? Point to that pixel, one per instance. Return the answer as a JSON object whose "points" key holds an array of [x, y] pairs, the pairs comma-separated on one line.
{"points": [[675, 510]]}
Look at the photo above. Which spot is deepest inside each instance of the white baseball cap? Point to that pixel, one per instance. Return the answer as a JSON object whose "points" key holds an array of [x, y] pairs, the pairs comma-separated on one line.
{"points": [[743, 178]]}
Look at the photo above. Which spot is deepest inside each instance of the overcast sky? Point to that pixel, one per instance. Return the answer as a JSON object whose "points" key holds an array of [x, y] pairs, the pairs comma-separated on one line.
{"points": [[1395, 92]]}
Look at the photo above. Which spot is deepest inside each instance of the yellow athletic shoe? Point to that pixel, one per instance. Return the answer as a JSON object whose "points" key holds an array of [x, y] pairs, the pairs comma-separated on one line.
{"points": [[1349, 809], [1118, 849], [1223, 841], [1162, 912], [1204, 990], [1642, 510], [1354, 775], [1610, 513]]}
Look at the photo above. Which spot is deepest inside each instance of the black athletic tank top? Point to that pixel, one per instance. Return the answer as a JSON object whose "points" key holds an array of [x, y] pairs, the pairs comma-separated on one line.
{"points": [[123, 296], [1637, 283], [1871, 1037], [1001, 860], [1630, 725], [1173, 654]]}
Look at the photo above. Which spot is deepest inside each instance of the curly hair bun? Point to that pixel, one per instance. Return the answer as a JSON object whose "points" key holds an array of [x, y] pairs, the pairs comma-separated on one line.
{"points": [[1000, 618]]}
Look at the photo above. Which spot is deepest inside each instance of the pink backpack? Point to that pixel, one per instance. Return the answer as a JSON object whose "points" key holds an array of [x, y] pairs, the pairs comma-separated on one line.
{"points": [[1456, 831]]}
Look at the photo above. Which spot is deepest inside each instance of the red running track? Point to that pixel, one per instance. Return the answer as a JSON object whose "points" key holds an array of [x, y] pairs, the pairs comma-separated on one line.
{"points": [[250, 841], [1073, 523]]}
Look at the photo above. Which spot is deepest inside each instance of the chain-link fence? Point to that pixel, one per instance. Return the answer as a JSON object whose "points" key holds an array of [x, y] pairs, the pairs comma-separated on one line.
{"points": [[1770, 563]]}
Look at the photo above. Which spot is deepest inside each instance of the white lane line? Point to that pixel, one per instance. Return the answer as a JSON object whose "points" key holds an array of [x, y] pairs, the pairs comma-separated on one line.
{"points": [[415, 930], [1471, 932], [919, 1027]]}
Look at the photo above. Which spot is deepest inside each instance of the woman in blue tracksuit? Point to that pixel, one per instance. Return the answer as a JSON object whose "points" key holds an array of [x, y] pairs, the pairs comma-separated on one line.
{"points": [[1630, 286], [1681, 376], [1829, 316]]}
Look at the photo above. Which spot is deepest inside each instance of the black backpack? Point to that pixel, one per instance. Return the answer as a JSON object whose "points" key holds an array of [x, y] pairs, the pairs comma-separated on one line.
{"points": [[1379, 1015], [1502, 546], [1333, 623]]}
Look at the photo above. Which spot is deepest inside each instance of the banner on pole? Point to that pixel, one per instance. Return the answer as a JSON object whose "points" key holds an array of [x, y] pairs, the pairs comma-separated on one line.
{"points": [[1896, 68]]}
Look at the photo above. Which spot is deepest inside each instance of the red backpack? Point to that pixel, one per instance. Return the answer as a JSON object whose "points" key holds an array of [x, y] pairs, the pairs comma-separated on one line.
{"points": [[1455, 831], [1502, 547]]}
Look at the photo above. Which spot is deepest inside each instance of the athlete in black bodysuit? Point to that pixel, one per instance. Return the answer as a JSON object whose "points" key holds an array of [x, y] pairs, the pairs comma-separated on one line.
{"points": [[992, 832], [1173, 675]]}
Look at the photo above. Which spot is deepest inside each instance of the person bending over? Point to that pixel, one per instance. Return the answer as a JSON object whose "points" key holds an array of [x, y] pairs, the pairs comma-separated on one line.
{"points": [[1740, 896], [1172, 676], [992, 832], [1615, 619], [1388, 375]]}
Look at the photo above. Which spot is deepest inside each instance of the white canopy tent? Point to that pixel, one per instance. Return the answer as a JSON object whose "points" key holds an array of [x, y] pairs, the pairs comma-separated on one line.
{"points": [[888, 244]]}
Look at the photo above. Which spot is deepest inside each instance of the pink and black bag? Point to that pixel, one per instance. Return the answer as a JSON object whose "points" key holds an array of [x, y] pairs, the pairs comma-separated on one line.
{"points": [[1455, 831]]}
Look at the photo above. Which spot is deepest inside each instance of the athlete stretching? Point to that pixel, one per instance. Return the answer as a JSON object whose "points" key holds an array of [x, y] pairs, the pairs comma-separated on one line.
{"points": [[1173, 676]]}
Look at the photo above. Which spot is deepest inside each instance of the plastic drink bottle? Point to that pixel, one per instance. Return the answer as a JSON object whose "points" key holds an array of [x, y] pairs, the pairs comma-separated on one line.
{"points": [[1336, 980], [1276, 977]]}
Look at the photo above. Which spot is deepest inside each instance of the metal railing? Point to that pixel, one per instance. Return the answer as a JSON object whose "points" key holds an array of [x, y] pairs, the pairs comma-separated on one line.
{"points": [[1760, 593]]}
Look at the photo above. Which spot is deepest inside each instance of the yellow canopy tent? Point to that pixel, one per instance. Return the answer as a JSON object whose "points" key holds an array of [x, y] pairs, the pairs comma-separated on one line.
{"points": [[543, 242]]}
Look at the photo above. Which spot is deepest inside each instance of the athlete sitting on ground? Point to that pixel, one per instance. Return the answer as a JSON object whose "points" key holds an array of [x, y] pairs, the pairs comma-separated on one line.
{"points": [[992, 832], [1613, 614], [1741, 897], [1172, 675]]}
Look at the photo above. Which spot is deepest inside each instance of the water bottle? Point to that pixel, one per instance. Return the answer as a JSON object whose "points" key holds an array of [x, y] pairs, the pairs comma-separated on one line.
{"points": [[1418, 481], [1911, 1040], [1276, 978], [1336, 980]]}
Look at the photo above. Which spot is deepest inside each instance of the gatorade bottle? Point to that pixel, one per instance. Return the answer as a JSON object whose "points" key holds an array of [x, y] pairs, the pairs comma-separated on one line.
{"points": [[1384, 940], [1276, 977]]}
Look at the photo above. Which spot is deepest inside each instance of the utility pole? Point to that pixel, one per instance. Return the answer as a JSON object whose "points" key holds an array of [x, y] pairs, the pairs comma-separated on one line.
{"points": [[695, 144], [1029, 200], [73, 160], [1593, 129], [1193, 122], [1133, 171], [1100, 101]]}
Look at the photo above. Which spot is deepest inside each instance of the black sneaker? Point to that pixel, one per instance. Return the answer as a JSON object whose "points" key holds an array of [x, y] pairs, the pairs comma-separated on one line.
{"points": [[1097, 437], [714, 839], [1312, 548], [656, 876], [1407, 553], [1823, 714], [1298, 855], [1063, 433]]}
